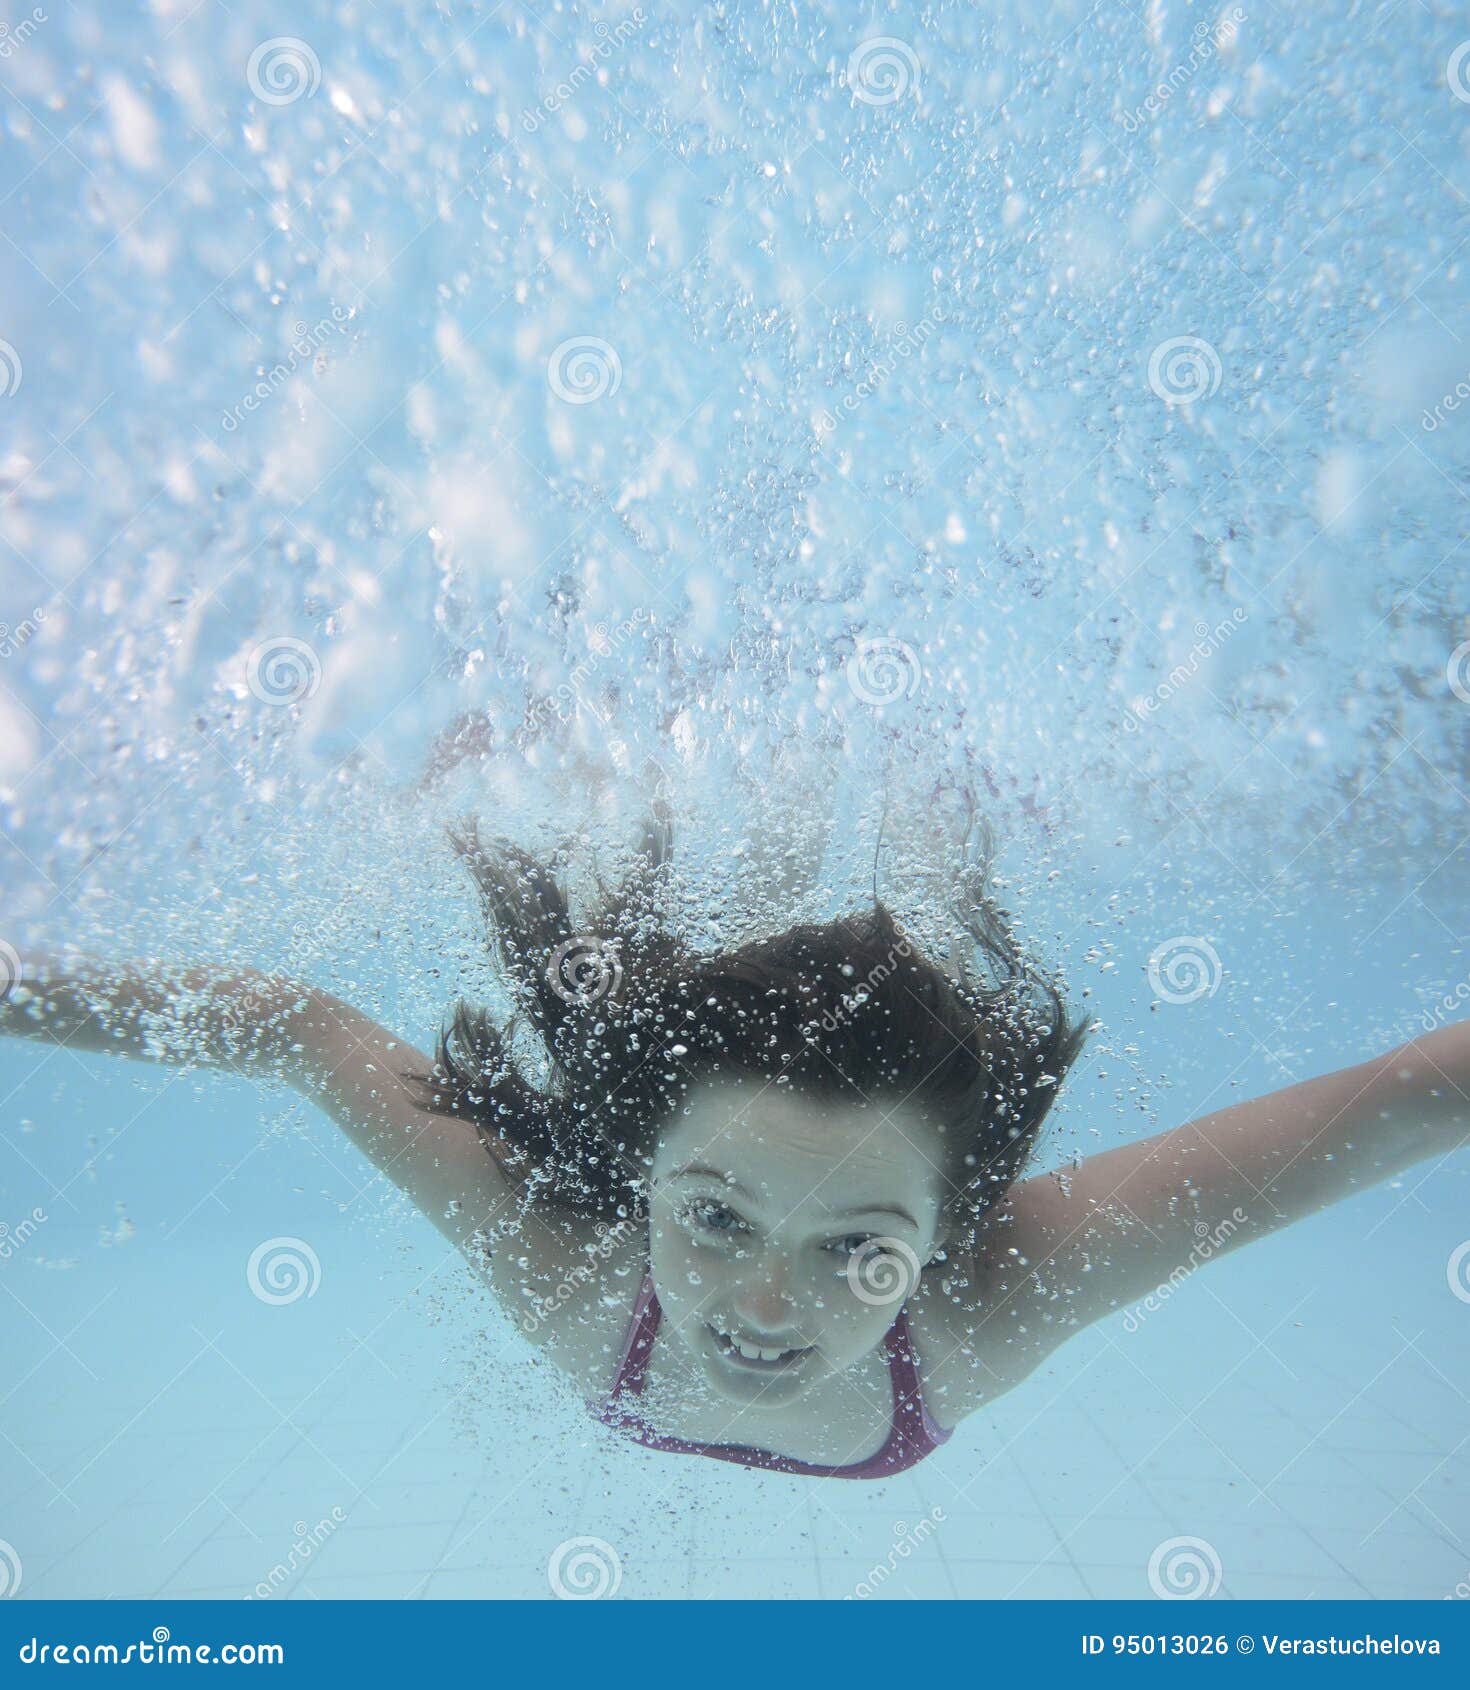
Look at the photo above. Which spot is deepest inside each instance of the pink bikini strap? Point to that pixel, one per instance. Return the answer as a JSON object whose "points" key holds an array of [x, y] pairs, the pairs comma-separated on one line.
{"points": [[910, 1411], [642, 1329], [903, 1366]]}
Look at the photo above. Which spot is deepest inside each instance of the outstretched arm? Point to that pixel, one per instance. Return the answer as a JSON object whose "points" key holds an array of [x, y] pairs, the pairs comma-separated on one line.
{"points": [[1072, 1246], [266, 1027]]}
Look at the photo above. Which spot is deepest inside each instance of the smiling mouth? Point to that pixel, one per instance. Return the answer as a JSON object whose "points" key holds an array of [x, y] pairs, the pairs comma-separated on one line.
{"points": [[759, 1358]]}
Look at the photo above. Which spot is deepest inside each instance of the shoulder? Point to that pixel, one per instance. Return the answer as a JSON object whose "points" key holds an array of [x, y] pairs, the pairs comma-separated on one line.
{"points": [[568, 1285], [981, 1323]]}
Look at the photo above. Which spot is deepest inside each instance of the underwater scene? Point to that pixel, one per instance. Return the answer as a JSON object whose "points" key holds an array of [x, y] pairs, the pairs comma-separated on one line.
{"points": [[734, 846]]}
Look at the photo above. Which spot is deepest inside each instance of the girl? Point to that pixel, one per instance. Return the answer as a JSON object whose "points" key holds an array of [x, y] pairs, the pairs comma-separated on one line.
{"points": [[767, 1206]]}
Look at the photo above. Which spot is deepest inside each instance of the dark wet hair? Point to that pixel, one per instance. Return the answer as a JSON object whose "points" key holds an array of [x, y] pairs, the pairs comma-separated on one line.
{"points": [[628, 1020]]}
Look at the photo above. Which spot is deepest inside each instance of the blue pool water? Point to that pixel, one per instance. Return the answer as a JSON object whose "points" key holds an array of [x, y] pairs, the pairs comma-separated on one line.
{"points": [[422, 409]]}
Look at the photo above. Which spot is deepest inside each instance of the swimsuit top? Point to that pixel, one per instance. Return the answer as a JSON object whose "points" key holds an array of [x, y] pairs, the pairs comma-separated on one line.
{"points": [[911, 1434]]}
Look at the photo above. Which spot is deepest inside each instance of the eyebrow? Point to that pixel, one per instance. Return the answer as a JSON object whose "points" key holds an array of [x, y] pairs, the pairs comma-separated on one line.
{"points": [[700, 1169], [878, 1209]]}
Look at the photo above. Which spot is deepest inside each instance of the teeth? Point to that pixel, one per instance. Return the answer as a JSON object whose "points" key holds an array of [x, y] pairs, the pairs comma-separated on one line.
{"points": [[756, 1352]]}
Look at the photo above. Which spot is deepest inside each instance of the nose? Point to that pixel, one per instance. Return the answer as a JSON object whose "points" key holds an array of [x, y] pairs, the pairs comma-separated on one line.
{"points": [[764, 1296]]}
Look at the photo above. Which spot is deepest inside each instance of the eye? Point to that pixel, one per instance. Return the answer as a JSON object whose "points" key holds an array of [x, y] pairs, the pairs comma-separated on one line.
{"points": [[851, 1244], [712, 1218]]}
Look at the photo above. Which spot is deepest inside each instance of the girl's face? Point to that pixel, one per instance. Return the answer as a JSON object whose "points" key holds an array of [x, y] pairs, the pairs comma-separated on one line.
{"points": [[786, 1231]]}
